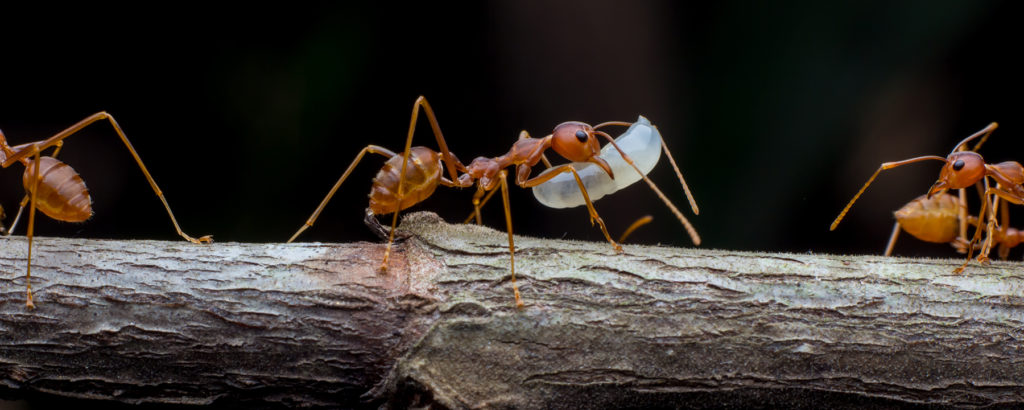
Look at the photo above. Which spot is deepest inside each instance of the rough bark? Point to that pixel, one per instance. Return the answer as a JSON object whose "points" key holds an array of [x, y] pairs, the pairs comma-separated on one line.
{"points": [[317, 325]]}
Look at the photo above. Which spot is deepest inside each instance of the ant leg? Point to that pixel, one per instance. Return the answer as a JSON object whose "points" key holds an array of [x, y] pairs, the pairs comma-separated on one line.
{"points": [[57, 138], [990, 230], [961, 214], [998, 193], [391, 240], [31, 226], [883, 167], [17, 216], [679, 215], [374, 149], [643, 220], [983, 213], [477, 204], [511, 242], [451, 163], [892, 239], [1004, 250], [594, 217]]}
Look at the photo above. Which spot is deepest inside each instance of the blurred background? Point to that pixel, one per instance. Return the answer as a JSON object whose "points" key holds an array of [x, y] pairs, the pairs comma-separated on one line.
{"points": [[776, 112]]}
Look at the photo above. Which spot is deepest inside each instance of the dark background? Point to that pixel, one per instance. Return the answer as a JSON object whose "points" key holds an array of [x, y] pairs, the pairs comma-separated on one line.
{"points": [[776, 112]]}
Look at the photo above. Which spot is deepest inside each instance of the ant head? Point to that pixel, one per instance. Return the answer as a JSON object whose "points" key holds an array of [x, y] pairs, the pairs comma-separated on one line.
{"points": [[576, 142], [962, 169]]}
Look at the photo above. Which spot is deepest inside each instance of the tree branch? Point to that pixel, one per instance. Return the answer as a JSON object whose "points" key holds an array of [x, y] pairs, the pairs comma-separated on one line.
{"points": [[316, 324]]}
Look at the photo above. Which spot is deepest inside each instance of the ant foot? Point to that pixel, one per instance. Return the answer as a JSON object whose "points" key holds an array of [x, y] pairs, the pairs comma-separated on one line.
{"points": [[383, 268], [202, 239], [960, 245], [28, 302]]}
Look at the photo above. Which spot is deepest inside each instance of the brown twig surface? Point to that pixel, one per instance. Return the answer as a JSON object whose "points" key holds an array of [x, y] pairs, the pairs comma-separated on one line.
{"points": [[317, 325]]}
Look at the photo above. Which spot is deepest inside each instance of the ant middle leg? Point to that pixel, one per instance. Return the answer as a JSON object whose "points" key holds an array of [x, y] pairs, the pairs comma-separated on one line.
{"points": [[511, 242]]}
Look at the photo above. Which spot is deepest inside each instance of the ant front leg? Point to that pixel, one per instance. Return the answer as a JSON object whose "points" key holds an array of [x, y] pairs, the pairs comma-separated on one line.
{"points": [[524, 172]]}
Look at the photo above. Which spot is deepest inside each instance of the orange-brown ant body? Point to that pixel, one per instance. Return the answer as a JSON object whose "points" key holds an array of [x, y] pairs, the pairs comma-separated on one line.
{"points": [[411, 177], [57, 190], [961, 170]]}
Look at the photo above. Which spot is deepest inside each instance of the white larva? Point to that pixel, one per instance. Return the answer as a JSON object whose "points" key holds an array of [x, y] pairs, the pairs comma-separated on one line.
{"points": [[642, 142]]}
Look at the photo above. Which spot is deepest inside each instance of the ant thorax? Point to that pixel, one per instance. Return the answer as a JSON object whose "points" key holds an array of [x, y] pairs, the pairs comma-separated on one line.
{"points": [[482, 169]]}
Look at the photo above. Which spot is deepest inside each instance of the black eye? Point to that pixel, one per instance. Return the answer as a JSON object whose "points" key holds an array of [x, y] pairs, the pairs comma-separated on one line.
{"points": [[581, 135], [958, 165]]}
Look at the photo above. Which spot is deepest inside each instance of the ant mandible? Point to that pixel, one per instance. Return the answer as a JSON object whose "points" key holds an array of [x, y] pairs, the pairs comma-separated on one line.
{"points": [[58, 191], [961, 170], [411, 177]]}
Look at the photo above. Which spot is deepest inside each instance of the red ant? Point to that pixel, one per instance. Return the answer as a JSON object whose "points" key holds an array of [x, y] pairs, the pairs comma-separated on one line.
{"points": [[961, 170], [411, 177], [57, 190]]}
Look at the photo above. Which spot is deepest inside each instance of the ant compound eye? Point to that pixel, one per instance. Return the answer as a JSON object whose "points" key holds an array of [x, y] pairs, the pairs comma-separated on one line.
{"points": [[958, 165], [581, 135]]}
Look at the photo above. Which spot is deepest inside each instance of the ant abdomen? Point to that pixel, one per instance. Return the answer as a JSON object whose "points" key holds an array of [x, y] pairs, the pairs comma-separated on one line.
{"points": [[932, 219], [422, 174], [61, 194]]}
